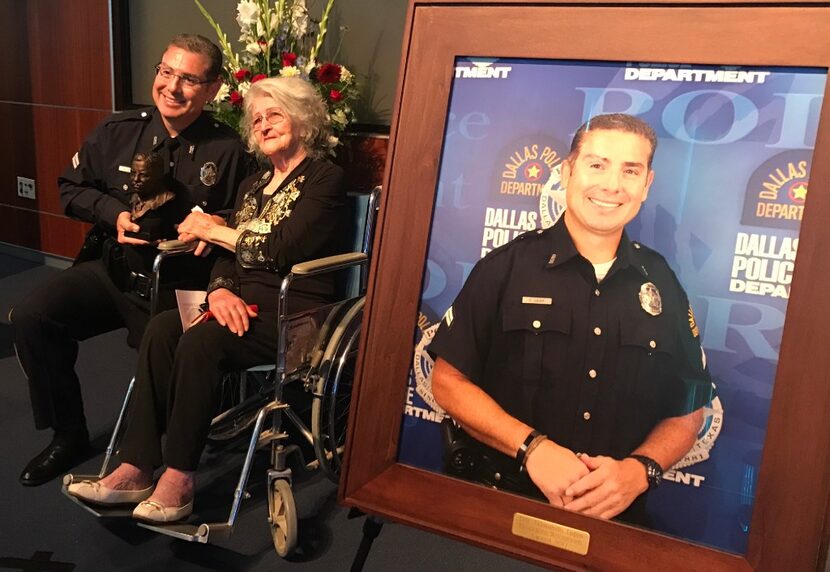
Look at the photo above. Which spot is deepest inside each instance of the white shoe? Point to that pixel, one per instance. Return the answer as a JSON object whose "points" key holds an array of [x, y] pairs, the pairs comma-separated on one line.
{"points": [[155, 512], [95, 492]]}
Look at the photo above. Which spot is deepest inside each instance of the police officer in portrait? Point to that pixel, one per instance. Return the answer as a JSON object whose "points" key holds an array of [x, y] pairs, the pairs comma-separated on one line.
{"points": [[202, 163], [571, 356]]}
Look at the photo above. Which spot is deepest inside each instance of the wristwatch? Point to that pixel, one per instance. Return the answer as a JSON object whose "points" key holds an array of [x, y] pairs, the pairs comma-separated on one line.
{"points": [[654, 472]]}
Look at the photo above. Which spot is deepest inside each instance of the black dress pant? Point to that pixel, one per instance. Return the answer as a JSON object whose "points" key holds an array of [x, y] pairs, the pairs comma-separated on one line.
{"points": [[178, 381], [77, 304]]}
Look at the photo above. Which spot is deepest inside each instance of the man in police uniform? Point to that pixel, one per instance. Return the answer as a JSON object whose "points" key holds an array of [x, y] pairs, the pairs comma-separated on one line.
{"points": [[571, 353], [204, 163]]}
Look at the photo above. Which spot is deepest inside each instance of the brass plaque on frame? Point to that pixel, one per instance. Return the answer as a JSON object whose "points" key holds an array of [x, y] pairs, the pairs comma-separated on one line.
{"points": [[546, 532]]}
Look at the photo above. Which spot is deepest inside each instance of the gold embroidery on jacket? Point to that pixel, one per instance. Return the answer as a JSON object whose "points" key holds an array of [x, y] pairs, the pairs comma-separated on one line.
{"points": [[252, 245]]}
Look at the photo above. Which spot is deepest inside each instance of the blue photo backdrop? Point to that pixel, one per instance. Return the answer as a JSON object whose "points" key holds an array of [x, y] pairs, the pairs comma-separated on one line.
{"points": [[731, 181]]}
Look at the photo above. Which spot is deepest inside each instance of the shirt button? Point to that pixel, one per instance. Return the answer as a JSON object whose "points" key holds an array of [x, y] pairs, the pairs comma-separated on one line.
{"points": [[204, 203], [596, 292], [597, 331], [652, 344], [637, 246], [586, 416], [537, 324], [592, 373], [126, 186], [497, 476], [143, 114], [172, 163]]}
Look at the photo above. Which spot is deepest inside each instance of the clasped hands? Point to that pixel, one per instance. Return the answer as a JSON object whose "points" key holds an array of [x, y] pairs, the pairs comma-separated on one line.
{"points": [[597, 486], [196, 226]]}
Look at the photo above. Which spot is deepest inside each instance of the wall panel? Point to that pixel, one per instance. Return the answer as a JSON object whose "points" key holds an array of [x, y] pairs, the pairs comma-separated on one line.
{"points": [[58, 88], [14, 47], [69, 53], [57, 136]]}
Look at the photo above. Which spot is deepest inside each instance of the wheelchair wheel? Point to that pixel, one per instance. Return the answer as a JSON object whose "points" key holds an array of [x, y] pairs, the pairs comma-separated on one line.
{"points": [[282, 516], [333, 392], [240, 405]]}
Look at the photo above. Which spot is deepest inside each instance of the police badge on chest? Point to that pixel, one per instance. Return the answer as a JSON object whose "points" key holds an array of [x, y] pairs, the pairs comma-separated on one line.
{"points": [[650, 299]]}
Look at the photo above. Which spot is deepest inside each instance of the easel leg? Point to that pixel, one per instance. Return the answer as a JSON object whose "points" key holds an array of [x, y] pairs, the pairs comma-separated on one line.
{"points": [[371, 529]]}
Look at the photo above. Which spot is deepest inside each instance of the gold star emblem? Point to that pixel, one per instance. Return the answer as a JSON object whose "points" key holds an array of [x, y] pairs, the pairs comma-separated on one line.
{"points": [[799, 192], [533, 172]]}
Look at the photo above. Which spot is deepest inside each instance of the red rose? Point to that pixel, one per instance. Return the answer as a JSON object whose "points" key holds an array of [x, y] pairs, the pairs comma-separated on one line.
{"points": [[242, 74], [258, 77], [288, 59], [236, 99], [335, 95], [328, 73]]}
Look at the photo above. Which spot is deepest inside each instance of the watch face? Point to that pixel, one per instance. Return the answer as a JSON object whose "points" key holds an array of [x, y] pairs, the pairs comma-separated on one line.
{"points": [[655, 475]]}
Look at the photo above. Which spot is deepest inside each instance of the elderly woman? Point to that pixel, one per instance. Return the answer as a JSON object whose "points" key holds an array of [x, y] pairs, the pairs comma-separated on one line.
{"points": [[286, 214]]}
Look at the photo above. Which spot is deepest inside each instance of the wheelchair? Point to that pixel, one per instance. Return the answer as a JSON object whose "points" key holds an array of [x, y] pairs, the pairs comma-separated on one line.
{"points": [[316, 355]]}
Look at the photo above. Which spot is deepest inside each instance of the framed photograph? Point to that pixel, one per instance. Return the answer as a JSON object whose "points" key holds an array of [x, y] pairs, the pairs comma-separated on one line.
{"points": [[489, 97]]}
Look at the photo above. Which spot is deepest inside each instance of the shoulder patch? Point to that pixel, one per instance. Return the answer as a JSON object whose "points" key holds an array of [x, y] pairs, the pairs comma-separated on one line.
{"points": [[448, 317], [693, 323]]}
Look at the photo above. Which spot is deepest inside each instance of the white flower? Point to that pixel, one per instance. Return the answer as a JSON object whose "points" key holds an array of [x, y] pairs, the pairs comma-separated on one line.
{"points": [[299, 18], [289, 71], [247, 12], [243, 88], [223, 93], [345, 75], [310, 65], [339, 117], [254, 48], [332, 141]]}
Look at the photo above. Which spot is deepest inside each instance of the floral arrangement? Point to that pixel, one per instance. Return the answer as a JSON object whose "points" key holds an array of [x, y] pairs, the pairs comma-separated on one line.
{"points": [[280, 39]]}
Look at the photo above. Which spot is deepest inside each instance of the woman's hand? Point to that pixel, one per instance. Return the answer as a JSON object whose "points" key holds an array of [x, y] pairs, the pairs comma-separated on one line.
{"points": [[230, 310], [197, 226]]}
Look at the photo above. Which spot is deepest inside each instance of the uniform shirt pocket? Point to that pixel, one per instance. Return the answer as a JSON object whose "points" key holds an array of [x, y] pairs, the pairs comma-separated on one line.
{"points": [[534, 334], [647, 357]]}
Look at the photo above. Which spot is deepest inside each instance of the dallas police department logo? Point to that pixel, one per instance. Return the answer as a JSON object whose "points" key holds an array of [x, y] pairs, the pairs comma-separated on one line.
{"points": [[777, 191], [519, 178], [706, 436], [528, 179], [422, 365], [526, 166], [207, 174]]}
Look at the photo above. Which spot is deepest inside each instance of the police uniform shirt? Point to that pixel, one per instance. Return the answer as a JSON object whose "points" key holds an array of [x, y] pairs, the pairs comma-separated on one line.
{"points": [[595, 366], [205, 163]]}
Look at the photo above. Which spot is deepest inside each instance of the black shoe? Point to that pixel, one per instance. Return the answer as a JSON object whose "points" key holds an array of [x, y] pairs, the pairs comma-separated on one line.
{"points": [[64, 452]]}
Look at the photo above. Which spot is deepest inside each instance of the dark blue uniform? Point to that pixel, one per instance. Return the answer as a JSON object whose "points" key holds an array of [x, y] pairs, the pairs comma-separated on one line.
{"points": [[593, 365], [204, 166]]}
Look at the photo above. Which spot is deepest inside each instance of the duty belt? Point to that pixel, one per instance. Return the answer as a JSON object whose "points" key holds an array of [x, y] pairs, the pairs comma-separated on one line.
{"points": [[140, 284]]}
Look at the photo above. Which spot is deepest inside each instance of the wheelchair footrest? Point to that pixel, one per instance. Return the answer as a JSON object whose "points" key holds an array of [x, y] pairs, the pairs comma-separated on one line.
{"points": [[100, 511], [201, 533]]}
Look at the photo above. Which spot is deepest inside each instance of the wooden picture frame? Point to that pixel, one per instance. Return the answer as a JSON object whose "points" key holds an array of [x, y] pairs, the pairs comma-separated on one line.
{"points": [[788, 529]]}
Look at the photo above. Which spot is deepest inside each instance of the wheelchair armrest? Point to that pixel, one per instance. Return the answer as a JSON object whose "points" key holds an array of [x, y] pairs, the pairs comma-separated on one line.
{"points": [[167, 249], [328, 264]]}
